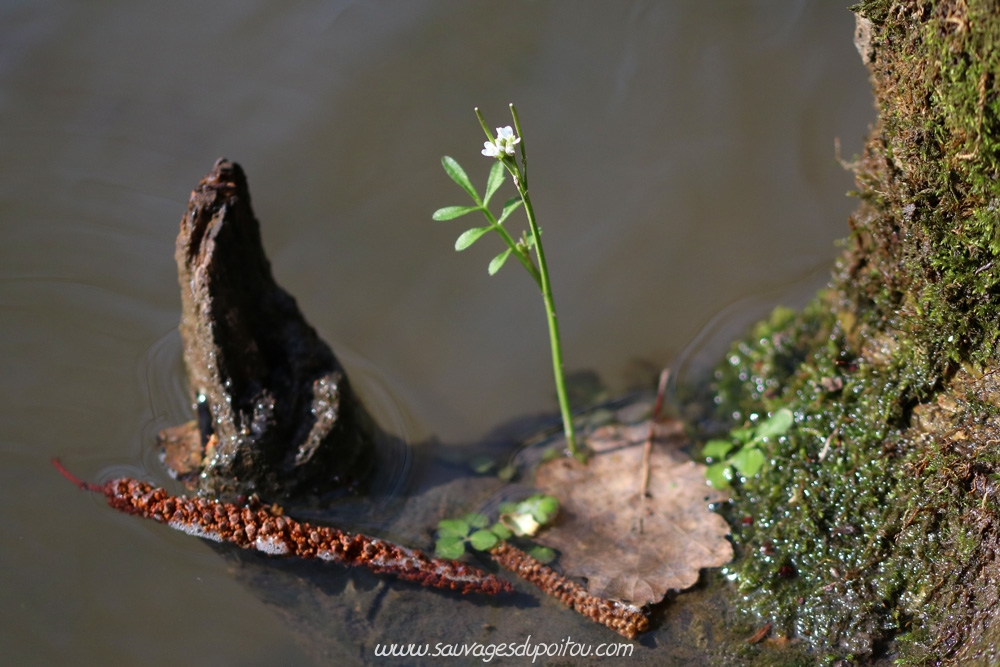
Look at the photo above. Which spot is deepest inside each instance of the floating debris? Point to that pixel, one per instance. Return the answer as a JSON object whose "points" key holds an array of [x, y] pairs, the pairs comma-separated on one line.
{"points": [[264, 528], [599, 538], [621, 617], [760, 635]]}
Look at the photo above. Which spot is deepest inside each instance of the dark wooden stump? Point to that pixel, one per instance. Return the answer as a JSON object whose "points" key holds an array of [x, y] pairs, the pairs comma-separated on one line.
{"points": [[277, 415]]}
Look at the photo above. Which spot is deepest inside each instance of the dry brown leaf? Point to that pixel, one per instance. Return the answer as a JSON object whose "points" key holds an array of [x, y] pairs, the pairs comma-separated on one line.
{"points": [[597, 531]]}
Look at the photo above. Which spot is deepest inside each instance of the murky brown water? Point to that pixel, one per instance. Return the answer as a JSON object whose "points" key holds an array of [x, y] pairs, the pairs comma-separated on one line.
{"points": [[682, 162]]}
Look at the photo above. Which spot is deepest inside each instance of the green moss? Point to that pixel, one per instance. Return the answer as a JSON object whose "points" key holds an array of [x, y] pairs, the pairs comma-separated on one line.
{"points": [[843, 535], [925, 239], [873, 526], [804, 518]]}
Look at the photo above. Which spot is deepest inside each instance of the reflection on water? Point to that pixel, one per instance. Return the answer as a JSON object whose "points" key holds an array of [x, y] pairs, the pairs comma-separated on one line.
{"points": [[682, 158]]}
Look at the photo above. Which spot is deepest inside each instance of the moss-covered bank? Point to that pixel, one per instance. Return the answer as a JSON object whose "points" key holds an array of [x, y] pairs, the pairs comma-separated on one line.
{"points": [[874, 526]]}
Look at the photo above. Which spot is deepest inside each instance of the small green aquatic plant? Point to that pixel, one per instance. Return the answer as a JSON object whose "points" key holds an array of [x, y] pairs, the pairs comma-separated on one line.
{"points": [[740, 453], [527, 249], [521, 519]]}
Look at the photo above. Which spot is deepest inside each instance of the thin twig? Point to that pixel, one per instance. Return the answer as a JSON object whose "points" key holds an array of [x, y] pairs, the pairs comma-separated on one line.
{"points": [[263, 528], [760, 635], [826, 445], [648, 448], [623, 618]]}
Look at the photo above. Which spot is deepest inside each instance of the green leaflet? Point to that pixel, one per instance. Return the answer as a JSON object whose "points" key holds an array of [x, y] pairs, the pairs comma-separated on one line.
{"points": [[469, 237], [457, 174], [497, 262], [509, 208], [450, 547], [493, 183], [452, 212]]}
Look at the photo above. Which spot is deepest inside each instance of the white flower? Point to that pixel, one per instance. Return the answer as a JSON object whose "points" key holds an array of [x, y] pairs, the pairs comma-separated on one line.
{"points": [[503, 145]]}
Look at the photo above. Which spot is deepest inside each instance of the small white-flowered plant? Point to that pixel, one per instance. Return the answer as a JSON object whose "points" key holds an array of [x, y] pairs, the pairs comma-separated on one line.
{"points": [[502, 147]]}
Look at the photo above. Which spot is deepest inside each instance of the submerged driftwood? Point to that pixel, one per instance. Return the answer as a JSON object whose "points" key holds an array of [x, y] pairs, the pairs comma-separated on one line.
{"points": [[276, 413]]}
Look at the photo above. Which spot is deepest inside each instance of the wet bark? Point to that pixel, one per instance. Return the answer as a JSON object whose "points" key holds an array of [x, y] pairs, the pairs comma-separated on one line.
{"points": [[276, 413]]}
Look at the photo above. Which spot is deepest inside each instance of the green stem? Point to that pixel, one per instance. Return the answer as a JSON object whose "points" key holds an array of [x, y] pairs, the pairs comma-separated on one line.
{"points": [[524, 151], [482, 123], [550, 313], [524, 258]]}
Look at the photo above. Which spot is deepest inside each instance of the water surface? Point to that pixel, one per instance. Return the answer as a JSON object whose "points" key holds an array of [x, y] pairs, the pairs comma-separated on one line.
{"points": [[682, 159]]}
